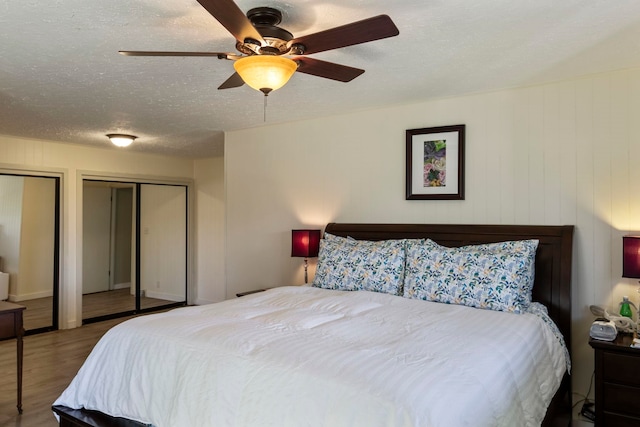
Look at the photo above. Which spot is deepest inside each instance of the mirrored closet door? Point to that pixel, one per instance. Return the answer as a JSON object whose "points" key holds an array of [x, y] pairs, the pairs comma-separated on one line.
{"points": [[134, 248], [163, 245], [30, 247]]}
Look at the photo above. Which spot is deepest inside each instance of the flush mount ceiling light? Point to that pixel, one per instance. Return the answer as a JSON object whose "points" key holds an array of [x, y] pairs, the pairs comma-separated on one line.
{"points": [[121, 140], [265, 73]]}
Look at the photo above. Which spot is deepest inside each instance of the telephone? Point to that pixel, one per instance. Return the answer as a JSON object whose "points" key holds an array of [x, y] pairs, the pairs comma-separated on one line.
{"points": [[622, 324]]}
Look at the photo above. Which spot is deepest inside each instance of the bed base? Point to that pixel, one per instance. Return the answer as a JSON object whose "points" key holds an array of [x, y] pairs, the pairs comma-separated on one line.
{"points": [[86, 418], [552, 288]]}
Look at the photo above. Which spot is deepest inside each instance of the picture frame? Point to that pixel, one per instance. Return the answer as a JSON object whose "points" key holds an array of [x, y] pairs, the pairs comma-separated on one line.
{"points": [[435, 163]]}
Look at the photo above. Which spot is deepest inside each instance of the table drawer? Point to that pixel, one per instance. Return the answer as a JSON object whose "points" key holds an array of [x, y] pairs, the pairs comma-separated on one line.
{"points": [[7, 325], [621, 368], [617, 420], [622, 399]]}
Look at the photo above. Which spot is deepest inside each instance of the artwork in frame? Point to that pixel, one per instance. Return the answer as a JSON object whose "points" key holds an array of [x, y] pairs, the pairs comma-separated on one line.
{"points": [[435, 163]]}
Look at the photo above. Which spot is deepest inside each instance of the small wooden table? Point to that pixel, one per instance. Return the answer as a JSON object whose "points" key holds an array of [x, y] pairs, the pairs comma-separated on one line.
{"points": [[617, 385], [11, 327]]}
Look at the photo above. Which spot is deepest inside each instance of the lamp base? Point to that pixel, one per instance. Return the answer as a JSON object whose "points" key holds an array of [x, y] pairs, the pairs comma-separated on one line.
{"points": [[306, 265]]}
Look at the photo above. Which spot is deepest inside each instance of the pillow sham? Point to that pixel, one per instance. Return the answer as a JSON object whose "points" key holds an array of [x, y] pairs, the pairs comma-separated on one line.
{"points": [[495, 276], [329, 236], [359, 265]]}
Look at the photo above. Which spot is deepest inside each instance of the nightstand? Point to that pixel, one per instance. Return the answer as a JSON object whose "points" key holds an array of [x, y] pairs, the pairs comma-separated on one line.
{"points": [[241, 294], [617, 372]]}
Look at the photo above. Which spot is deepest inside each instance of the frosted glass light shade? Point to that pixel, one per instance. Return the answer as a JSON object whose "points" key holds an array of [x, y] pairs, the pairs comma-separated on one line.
{"points": [[121, 140], [265, 72]]}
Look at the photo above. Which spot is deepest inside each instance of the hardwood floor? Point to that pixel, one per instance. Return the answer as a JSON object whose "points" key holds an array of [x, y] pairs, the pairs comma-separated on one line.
{"points": [[51, 360], [109, 302], [39, 311]]}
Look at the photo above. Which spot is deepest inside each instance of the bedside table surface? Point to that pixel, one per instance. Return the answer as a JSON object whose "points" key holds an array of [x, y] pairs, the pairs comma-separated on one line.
{"points": [[8, 306], [621, 343]]}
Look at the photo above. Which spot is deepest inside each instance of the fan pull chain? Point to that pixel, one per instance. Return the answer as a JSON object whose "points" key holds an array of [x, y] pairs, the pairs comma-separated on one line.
{"points": [[266, 92], [265, 108]]}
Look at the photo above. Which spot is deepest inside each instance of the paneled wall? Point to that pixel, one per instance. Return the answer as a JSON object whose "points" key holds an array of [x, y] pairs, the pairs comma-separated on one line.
{"points": [[563, 153]]}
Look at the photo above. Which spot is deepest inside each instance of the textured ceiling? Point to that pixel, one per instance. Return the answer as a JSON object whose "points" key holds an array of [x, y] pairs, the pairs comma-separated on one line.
{"points": [[61, 78]]}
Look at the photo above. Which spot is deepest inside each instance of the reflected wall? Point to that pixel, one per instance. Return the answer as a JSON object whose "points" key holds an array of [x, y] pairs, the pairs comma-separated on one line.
{"points": [[29, 235]]}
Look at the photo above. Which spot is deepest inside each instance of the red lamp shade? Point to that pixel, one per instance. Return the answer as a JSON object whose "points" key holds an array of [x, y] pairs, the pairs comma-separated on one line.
{"points": [[305, 243], [631, 257]]}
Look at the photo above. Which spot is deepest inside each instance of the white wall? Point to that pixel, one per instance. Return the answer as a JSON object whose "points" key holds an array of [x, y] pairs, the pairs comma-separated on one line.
{"points": [[11, 191], [210, 230], [35, 278], [564, 153], [123, 237], [72, 162], [96, 238], [163, 241]]}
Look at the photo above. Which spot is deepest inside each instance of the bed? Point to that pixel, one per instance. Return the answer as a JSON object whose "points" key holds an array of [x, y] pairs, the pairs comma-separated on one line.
{"points": [[315, 356]]}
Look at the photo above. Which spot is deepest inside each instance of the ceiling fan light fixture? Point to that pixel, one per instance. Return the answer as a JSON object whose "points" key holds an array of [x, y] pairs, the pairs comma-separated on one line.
{"points": [[265, 73], [121, 140]]}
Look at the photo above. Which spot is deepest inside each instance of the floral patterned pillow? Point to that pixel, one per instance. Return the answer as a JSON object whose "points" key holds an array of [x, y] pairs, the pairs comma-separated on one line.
{"points": [[495, 276], [355, 265], [333, 237]]}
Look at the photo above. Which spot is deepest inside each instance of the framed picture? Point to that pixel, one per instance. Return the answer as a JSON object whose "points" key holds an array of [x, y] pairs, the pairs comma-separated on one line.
{"points": [[435, 163]]}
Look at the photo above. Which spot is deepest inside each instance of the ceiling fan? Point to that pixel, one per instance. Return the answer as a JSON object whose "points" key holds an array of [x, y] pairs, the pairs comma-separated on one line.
{"points": [[265, 46]]}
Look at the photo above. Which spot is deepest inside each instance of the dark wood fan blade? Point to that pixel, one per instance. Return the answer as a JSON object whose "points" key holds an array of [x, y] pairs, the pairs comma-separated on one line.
{"points": [[367, 30], [221, 55], [232, 18], [234, 81], [328, 70]]}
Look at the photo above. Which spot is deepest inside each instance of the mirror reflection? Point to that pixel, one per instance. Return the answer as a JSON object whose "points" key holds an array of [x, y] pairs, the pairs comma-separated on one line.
{"points": [[29, 235], [115, 281]]}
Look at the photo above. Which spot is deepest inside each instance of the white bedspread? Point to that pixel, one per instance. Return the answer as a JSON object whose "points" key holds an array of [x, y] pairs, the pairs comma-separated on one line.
{"points": [[302, 356]]}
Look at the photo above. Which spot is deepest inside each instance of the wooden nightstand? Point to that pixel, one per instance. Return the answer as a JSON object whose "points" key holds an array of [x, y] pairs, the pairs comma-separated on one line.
{"points": [[617, 368]]}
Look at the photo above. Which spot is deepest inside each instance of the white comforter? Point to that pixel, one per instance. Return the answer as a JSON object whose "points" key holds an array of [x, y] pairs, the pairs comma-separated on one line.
{"points": [[302, 356]]}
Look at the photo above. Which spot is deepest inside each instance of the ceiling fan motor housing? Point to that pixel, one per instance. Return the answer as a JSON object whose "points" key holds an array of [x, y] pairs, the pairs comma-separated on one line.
{"points": [[265, 20]]}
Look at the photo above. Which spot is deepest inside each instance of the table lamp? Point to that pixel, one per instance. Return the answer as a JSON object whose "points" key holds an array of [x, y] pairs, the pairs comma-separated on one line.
{"points": [[305, 243], [631, 257]]}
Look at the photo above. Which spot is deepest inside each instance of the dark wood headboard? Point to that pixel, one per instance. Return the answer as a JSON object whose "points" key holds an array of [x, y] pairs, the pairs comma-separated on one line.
{"points": [[552, 285]]}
